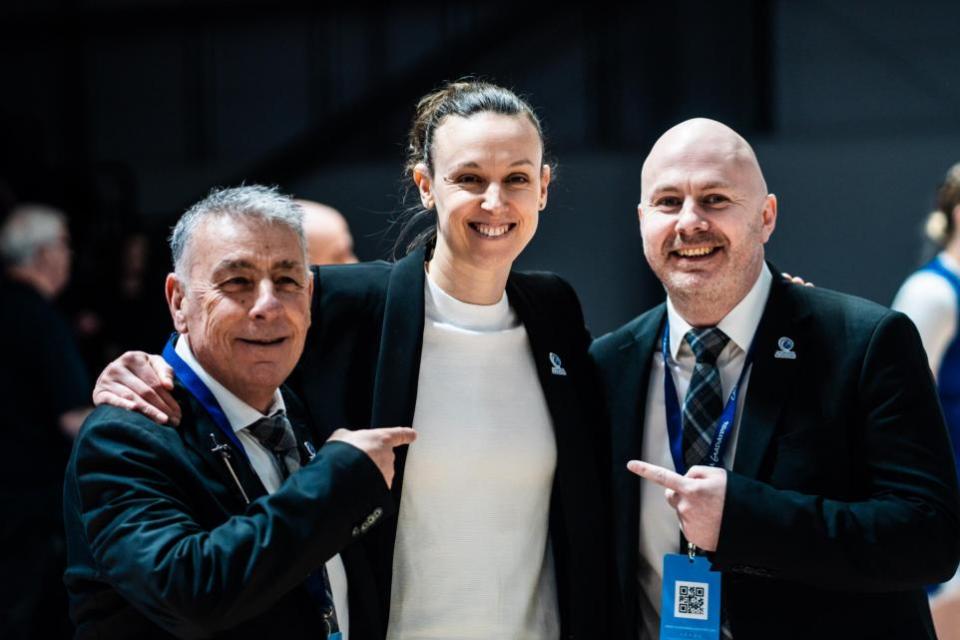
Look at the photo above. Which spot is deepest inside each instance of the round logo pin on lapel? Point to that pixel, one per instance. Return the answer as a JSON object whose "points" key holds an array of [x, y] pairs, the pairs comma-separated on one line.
{"points": [[785, 349]]}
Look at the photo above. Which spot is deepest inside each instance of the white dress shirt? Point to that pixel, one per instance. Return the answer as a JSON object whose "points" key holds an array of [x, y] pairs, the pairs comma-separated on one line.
{"points": [[659, 527], [241, 415]]}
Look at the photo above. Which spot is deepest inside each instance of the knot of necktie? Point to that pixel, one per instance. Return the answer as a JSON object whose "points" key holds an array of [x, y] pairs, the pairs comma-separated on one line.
{"points": [[275, 433], [707, 343]]}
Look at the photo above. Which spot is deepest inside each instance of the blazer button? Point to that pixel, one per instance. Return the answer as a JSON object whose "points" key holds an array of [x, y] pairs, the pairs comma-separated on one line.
{"points": [[356, 532]]}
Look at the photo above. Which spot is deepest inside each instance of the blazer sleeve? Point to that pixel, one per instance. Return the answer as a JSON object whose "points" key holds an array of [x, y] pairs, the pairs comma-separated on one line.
{"points": [[139, 514], [902, 531]]}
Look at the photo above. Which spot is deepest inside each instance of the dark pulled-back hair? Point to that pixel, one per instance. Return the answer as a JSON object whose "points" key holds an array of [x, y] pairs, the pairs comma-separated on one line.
{"points": [[462, 98], [940, 224]]}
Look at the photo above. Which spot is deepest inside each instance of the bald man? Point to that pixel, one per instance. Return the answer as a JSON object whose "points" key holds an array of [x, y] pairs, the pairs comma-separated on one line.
{"points": [[788, 440], [328, 236]]}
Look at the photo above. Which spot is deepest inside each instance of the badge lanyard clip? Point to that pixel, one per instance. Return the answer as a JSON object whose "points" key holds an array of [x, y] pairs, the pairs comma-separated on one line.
{"points": [[224, 451], [192, 382]]}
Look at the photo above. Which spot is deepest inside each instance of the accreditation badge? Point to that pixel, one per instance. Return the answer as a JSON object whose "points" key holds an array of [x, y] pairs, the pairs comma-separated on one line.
{"points": [[690, 603]]}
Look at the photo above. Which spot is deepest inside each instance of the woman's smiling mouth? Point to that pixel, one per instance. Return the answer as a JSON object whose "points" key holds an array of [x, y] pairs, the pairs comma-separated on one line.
{"points": [[492, 230]]}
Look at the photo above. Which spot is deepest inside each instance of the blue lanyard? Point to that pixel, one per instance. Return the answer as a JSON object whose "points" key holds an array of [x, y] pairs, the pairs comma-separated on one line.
{"points": [[192, 382], [315, 584], [675, 422]]}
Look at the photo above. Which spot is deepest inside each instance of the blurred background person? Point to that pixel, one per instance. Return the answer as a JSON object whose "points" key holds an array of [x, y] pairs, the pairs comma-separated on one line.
{"points": [[328, 235], [931, 298], [45, 393]]}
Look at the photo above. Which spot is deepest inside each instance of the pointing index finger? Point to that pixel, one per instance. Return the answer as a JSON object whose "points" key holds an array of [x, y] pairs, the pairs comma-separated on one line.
{"points": [[661, 475], [400, 435]]}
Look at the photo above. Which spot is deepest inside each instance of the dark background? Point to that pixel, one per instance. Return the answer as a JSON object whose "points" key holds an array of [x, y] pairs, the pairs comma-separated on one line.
{"points": [[124, 112]]}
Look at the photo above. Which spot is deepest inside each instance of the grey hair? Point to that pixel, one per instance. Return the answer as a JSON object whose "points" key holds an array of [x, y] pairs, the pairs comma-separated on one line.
{"points": [[29, 228], [265, 204]]}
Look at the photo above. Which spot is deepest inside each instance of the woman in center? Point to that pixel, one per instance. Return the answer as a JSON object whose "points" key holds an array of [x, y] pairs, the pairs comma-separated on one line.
{"points": [[501, 526]]}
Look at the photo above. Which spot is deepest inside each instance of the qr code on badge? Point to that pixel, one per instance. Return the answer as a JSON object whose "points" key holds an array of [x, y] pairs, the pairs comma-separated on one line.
{"points": [[691, 600]]}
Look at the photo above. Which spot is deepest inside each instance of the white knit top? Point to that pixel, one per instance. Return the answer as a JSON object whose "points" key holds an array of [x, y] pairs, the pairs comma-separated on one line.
{"points": [[472, 558]]}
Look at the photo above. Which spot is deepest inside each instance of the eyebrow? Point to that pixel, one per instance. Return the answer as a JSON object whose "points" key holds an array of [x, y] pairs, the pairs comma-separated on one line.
{"points": [[716, 184], [706, 186], [470, 164], [233, 265]]}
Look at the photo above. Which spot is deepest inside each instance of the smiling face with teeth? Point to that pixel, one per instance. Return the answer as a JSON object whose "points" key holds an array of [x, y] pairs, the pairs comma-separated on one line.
{"points": [[488, 185], [246, 306], [705, 215]]}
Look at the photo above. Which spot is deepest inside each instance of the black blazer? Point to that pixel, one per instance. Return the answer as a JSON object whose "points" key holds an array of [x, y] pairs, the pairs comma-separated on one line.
{"points": [[160, 540], [360, 368], [842, 502]]}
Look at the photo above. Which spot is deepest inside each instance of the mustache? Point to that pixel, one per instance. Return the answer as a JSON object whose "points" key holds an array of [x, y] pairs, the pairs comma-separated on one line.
{"points": [[692, 241]]}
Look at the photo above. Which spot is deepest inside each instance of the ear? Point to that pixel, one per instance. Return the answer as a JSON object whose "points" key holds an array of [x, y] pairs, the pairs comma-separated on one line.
{"points": [[545, 175], [955, 214], [421, 178], [640, 212], [176, 301], [309, 297], [769, 216]]}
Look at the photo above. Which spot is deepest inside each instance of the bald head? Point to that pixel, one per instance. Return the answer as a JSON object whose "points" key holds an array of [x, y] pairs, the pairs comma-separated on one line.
{"points": [[328, 236], [705, 216], [704, 141]]}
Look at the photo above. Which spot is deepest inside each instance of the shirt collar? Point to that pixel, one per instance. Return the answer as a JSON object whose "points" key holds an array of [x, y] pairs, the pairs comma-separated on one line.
{"points": [[740, 324], [239, 414]]}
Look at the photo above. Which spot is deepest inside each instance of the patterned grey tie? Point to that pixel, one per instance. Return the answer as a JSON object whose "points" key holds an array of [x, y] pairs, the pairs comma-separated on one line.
{"points": [[275, 433], [704, 401]]}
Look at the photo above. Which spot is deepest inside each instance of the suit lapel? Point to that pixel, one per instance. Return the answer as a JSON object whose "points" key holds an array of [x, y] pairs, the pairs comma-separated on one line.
{"points": [[635, 357], [627, 396], [203, 436], [296, 414], [398, 362], [542, 343], [772, 378]]}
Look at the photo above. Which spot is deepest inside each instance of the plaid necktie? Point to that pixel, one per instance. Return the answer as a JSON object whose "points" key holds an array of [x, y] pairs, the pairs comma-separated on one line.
{"points": [[275, 433], [703, 405], [704, 401]]}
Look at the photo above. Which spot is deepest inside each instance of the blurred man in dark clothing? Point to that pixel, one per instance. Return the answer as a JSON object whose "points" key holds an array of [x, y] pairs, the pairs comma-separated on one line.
{"points": [[45, 393]]}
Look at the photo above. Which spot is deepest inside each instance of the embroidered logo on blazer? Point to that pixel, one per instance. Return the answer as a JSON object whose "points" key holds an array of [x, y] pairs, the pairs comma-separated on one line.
{"points": [[785, 352], [556, 367]]}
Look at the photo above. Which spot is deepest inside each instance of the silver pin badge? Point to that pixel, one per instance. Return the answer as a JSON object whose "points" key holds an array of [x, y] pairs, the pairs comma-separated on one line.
{"points": [[785, 350], [556, 367]]}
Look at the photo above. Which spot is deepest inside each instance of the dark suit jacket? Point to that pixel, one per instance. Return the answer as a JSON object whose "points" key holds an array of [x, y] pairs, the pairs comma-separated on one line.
{"points": [[160, 540], [360, 368], [842, 502]]}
